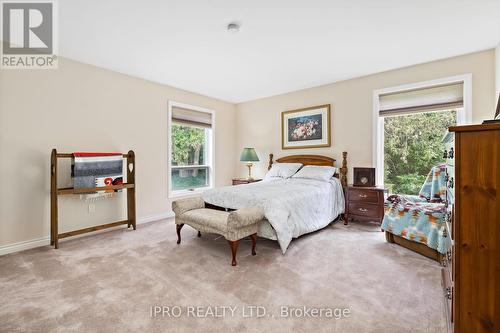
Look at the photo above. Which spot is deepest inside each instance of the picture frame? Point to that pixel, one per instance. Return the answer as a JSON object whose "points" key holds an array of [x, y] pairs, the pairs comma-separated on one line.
{"points": [[306, 128], [364, 177]]}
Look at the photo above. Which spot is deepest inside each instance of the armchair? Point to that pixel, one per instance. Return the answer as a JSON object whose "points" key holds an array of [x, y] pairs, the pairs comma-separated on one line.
{"points": [[418, 222]]}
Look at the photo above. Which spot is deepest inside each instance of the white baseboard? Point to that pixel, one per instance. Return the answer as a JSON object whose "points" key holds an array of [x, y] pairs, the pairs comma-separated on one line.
{"points": [[26, 245], [44, 241], [155, 217]]}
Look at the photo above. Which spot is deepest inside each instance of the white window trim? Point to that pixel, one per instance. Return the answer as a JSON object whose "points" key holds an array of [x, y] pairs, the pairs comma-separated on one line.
{"points": [[210, 154], [464, 115]]}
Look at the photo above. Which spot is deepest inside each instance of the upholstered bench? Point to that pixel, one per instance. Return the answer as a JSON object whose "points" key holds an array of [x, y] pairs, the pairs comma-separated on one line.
{"points": [[233, 225]]}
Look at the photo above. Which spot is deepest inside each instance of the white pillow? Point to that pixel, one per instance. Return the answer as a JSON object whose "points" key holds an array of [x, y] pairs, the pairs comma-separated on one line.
{"points": [[324, 173], [282, 170]]}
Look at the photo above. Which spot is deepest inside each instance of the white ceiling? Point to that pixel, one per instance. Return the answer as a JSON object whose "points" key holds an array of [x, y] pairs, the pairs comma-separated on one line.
{"points": [[283, 45]]}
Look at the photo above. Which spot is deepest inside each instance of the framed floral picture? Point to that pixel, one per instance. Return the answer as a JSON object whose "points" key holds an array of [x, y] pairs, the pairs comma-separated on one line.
{"points": [[306, 128]]}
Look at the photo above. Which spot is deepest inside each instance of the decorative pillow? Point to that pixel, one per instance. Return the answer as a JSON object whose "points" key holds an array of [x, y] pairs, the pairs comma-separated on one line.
{"points": [[282, 170], [324, 173]]}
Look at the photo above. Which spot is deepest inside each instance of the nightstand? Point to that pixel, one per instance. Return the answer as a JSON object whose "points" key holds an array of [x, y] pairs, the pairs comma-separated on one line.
{"points": [[364, 203], [239, 181]]}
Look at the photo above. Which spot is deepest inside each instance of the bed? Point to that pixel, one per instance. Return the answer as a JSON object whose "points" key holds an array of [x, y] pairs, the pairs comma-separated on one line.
{"points": [[292, 206]]}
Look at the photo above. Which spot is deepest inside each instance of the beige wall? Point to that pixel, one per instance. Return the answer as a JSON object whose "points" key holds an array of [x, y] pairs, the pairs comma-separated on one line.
{"points": [[81, 107], [258, 122]]}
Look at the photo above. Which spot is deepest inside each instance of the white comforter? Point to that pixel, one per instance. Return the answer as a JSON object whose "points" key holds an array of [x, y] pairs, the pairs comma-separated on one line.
{"points": [[293, 206]]}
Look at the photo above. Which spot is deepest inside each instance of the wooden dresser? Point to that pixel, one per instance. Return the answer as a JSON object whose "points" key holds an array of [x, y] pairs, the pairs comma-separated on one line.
{"points": [[471, 270]]}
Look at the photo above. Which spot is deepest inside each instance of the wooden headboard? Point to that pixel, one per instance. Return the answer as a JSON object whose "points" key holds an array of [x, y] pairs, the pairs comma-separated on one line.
{"points": [[315, 160]]}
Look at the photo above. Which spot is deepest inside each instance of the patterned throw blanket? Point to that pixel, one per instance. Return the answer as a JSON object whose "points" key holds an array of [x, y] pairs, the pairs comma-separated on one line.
{"points": [[434, 188], [421, 218], [96, 170]]}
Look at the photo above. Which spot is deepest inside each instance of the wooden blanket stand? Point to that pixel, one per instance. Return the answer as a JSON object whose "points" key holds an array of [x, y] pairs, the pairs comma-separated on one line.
{"points": [[55, 192]]}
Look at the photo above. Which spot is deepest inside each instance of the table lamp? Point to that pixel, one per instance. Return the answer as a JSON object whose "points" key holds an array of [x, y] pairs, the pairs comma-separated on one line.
{"points": [[249, 155]]}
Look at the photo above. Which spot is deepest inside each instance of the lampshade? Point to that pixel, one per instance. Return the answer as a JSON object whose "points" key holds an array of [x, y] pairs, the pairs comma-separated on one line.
{"points": [[249, 155]]}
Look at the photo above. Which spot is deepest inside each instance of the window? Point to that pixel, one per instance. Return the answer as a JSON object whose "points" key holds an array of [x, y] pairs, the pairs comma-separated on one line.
{"points": [[410, 123], [190, 154], [412, 145]]}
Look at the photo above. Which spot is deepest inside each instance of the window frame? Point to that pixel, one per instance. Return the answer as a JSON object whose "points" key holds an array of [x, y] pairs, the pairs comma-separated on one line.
{"points": [[464, 114], [210, 152]]}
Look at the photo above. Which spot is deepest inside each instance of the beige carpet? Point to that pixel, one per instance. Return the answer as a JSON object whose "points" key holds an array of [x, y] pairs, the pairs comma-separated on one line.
{"points": [[109, 282]]}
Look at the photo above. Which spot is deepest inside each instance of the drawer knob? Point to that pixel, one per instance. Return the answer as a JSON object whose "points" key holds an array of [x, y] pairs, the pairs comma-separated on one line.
{"points": [[362, 195], [447, 293], [364, 210], [448, 217], [444, 261]]}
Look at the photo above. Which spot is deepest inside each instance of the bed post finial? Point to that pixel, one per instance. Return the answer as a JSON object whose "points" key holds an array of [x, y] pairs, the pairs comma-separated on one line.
{"points": [[343, 169], [270, 161]]}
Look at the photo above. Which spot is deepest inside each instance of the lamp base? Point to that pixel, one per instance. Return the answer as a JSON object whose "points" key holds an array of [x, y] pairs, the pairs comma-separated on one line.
{"points": [[249, 165]]}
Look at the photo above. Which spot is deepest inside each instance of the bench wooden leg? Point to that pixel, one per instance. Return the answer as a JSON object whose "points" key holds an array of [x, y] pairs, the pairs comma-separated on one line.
{"points": [[254, 242], [234, 249], [178, 227], [389, 237]]}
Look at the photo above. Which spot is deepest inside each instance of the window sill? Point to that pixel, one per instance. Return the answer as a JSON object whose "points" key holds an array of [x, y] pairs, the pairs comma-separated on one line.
{"points": [[187, 193]]}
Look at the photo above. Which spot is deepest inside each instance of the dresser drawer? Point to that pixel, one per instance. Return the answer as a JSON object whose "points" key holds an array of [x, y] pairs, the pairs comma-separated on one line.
{"points": [[449, 149], [363, 209], [363, 195], [450, 171], [447, 262], [450, 180], [447, 284], [450, 160], [450, 185], [448, 219]]}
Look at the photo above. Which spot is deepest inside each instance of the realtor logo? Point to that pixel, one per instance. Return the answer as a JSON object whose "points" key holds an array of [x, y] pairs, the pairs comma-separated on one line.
{"points": [[28, 35]]}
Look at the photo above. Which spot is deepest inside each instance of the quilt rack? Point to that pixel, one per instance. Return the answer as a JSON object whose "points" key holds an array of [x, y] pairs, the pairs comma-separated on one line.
{"points": [[55, 192]]}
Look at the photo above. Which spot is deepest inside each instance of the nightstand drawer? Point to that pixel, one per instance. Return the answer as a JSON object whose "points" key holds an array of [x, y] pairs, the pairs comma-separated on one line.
{"points": [[364, 203], [362, 209], [363, 195]]}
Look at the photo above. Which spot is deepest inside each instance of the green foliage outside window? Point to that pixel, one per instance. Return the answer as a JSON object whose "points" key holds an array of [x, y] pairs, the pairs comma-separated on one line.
{"points": [[412, 146], [188, 148], [187, 145]]}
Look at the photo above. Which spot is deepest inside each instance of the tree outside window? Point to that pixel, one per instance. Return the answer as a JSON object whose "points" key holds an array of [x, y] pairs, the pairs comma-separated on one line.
{"points": [[412, 146], [189, 169]]}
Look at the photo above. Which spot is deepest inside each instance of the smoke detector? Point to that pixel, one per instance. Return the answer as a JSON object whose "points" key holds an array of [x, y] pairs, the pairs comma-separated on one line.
{"points": [[233, 27]]}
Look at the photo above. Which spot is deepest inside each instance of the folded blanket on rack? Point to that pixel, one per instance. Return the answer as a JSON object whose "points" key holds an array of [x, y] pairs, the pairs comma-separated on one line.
{"points": [[95, 170]]}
